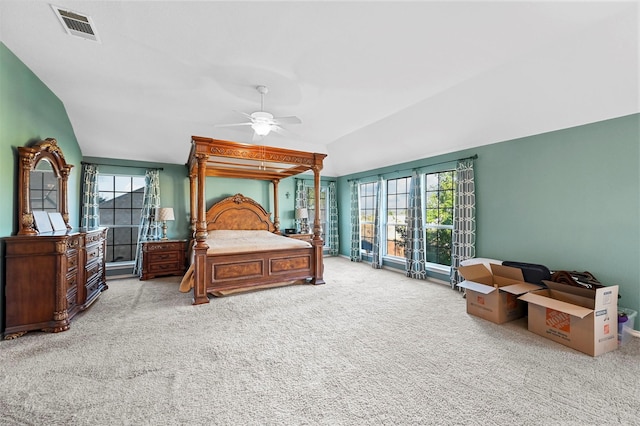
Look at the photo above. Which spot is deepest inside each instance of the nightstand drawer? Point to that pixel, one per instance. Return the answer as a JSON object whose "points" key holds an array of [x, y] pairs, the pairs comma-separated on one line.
{"points": [[167, 256], [165, 268]]}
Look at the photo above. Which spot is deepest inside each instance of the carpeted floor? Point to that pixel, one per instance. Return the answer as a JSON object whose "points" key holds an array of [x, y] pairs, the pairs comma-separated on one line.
{"points": [[371, 347]]}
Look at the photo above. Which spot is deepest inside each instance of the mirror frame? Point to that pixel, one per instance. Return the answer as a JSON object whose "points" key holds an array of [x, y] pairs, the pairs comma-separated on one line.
{"points": [[29, 156]]}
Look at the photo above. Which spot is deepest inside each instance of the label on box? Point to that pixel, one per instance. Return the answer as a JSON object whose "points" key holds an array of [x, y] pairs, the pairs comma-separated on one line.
{"points": [[558, 320]]}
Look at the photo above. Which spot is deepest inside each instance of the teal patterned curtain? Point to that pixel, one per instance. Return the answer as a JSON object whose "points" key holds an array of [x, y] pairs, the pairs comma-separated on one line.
{"points": [[463, 237], [376, 261], [149, 227], [414, 251], [90, 199], [334, 242], [355, 255]]}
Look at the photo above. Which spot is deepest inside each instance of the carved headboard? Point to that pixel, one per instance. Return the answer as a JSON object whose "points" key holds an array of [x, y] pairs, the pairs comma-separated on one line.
{"points": [[239, 213]]}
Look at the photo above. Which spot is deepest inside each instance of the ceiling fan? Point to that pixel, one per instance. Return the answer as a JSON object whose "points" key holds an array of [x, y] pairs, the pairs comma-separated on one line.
{"points": [[263, 122]]}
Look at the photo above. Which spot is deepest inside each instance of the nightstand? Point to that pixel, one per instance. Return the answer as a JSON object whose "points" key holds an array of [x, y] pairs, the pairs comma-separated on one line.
{"points": [[163, 257], [303, 237]]}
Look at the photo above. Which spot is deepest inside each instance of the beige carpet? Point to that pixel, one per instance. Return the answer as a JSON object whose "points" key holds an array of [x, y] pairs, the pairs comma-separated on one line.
{"points": [[370, 347]]}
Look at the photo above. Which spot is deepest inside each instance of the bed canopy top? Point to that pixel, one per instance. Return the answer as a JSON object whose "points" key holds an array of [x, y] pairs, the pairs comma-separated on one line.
{"points": [[239, 160]]}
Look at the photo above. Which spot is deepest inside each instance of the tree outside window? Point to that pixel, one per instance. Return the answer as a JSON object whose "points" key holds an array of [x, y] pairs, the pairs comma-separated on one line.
{"points": [[397, 205], [439, 196]]}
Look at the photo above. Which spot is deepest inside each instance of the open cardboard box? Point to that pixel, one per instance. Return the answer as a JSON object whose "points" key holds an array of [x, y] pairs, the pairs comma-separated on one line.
{"points": [[583, 319], [493, 295]]}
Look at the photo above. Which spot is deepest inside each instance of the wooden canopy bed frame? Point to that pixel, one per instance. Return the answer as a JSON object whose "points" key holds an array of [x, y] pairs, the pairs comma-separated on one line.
{"points": [[218, 272]]}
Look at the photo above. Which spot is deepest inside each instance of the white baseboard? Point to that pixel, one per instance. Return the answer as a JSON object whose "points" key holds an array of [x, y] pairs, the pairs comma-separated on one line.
{"points": [[634, 333]]}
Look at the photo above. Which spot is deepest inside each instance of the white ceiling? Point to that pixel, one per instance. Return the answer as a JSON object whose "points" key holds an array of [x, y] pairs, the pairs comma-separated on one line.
{"points": [[375, 83]]}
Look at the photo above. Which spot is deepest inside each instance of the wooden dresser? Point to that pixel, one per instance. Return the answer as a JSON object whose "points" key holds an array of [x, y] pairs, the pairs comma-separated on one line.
{"points": [[163, 257], [50, 277]]}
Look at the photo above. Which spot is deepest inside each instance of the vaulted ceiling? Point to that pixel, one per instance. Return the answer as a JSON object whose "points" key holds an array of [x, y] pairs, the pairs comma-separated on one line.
{"points": [[374, 83]]}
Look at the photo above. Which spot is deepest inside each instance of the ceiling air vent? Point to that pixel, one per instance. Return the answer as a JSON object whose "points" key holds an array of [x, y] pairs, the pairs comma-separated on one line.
{"points": [[76, 24]]}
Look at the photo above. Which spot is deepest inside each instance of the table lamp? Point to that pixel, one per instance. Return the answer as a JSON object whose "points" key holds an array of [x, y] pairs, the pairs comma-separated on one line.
{"points": [[302, 214], [165, 214]]}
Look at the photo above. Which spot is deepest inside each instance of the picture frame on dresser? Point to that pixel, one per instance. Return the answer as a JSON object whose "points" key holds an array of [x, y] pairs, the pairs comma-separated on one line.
{"points": [[52, 274]]}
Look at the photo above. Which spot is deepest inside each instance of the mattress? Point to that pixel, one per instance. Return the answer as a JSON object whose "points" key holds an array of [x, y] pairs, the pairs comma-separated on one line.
{"points": [[232, 241]]}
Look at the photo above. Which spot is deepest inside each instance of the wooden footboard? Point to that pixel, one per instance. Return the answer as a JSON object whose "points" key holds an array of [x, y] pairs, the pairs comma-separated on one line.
{"points": [[216, 272], [235, 271]]}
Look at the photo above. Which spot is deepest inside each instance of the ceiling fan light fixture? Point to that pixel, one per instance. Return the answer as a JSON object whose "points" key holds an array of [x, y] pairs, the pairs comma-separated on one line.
{"points": [[261, 122], [261, 128]]}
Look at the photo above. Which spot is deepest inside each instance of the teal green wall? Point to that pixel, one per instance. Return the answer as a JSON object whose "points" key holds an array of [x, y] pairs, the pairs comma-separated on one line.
{"points": [[568, 199], [30, 112]]}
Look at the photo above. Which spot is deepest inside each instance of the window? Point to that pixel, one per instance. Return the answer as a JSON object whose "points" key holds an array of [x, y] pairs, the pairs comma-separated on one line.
{"points": [[121, 200], [439, 192], [367, 200], [397, 204]]}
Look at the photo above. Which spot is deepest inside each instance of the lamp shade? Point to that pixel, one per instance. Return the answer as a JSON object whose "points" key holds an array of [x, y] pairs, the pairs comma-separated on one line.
{"points": [[302, 213], [166, 213]]}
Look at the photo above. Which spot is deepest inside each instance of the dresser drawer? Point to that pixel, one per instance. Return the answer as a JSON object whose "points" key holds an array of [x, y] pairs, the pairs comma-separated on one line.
{"points": [[92, 285], [94, 270], [72, 261], [94, 253], [72, 298], [72, 282]]}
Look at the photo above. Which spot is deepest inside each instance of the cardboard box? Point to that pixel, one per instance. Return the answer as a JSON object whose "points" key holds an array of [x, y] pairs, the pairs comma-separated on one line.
{"points": [[583, 319], [493, 295]]}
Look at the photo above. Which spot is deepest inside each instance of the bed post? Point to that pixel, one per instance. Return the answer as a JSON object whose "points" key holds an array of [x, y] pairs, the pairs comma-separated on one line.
{"points": [[192, 208], [276, 215], [200, 248], [317, 239]]}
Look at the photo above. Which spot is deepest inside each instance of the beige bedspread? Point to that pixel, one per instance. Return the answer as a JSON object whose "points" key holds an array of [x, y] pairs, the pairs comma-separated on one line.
{"points": [[231, 241]]}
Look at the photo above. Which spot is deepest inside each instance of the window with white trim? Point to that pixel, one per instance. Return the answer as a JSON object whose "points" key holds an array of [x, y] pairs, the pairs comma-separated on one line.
{"points": [[120, 205], [439, 199], [396, 216], [367, 206]]}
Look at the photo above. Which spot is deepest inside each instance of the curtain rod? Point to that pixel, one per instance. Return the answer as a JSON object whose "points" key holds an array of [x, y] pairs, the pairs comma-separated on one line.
{"points": [[473, 157], [120, 165]]}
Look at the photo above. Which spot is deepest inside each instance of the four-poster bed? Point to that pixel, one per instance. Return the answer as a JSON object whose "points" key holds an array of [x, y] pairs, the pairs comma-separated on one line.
{"points": [[217, 268]]}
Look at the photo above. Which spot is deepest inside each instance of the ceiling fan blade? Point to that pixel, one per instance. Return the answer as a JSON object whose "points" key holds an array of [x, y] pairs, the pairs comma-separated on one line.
{"points": [[278, 129], [287, 120], [232, 125], [244, 114]]}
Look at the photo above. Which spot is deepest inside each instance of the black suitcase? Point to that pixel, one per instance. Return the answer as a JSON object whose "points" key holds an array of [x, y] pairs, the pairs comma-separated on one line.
{"points": [[531, 272]]}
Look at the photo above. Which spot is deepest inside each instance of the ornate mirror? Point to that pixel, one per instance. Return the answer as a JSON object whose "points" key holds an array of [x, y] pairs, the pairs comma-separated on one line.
{"points": [[42, 184]]}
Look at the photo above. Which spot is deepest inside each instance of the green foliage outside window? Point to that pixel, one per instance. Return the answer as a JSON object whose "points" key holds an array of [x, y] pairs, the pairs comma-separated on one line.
{"points": [[439, 216]]}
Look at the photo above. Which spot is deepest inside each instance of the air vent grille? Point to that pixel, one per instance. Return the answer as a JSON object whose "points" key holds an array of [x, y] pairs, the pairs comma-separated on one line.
{"points": [[76, 24]]}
